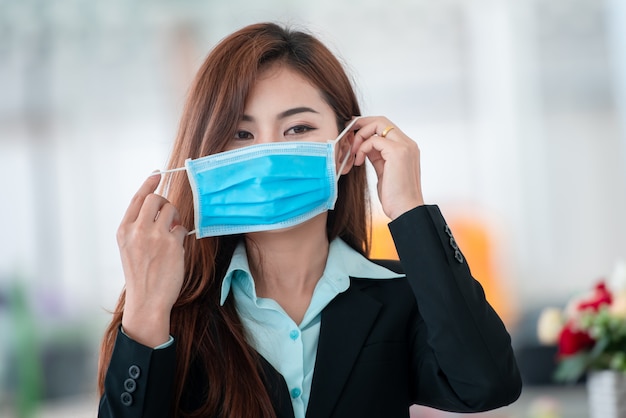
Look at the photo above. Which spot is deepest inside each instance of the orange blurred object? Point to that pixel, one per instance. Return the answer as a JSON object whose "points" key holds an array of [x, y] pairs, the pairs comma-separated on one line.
{"points": [[477, 245]]}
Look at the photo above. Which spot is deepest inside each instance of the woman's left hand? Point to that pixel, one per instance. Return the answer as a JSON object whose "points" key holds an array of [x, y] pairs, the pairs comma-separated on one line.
{"points": [[396, 160]]}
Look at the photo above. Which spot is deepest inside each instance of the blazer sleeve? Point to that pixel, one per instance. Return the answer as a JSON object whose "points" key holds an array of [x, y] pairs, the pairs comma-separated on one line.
{"points": [[462, 355], [139, 381]]}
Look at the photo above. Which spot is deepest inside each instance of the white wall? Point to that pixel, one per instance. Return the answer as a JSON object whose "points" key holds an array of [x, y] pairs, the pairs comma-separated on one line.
{"points": [[513, 103]]}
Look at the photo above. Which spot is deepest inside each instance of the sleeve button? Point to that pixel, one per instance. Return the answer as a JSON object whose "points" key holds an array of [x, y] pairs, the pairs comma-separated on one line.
{"points": [[134, 371], [127, 399], [458, 256], [130, 385]]}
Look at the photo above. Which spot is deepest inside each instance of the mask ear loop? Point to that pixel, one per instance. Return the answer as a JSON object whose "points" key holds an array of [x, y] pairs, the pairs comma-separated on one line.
{"points": [[167, 184], [166, 177], [341, 135]]}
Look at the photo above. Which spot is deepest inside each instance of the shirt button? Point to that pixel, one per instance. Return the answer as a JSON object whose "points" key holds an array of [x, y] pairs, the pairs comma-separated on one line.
{"points": [[295, 392], [294, 334]]}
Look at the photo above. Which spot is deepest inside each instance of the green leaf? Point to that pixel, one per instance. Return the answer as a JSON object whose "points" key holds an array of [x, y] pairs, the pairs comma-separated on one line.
{"points": [[600, 346], [571, 368]]}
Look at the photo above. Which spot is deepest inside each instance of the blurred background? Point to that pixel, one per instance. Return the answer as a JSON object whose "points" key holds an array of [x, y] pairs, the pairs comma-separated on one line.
{"points": [[519, 108]]}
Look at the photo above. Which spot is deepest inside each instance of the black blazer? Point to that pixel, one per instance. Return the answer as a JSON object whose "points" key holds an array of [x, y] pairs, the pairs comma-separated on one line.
{"points": [[429, 339]]}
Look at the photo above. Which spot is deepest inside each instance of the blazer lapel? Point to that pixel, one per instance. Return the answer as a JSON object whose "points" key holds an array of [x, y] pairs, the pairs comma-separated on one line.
{"points": [[346, 323], [277, 389]]}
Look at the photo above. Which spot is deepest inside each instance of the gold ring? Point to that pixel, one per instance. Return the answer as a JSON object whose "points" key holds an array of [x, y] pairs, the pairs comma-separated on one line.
{"points": [[386, 130]]}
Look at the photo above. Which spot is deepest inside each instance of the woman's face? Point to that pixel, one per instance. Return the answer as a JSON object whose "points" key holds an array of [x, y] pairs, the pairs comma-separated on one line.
{"points": [[284, 106]]}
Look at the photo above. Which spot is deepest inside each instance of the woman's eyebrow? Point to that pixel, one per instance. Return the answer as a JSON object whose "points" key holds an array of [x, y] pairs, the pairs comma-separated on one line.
{"points": [[285, 114], [295, 111]]}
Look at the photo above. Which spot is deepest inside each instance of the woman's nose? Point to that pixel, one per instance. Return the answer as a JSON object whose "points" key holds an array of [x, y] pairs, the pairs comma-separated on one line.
{"points": [[268, 137]]}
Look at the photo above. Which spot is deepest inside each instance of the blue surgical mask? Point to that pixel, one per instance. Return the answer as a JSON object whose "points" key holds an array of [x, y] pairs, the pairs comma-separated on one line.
{"points": [[263, 187]]}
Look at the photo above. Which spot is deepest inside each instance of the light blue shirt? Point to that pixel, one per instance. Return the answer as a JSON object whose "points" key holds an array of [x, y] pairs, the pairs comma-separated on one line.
{"points": [[289, 347]]}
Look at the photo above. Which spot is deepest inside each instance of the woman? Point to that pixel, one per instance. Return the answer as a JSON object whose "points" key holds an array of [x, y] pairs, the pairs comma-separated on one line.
{"points": [[276, 312]]}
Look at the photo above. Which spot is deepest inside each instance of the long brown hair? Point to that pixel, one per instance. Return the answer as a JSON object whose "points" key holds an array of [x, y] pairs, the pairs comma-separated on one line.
{"points": [[209, 336]]}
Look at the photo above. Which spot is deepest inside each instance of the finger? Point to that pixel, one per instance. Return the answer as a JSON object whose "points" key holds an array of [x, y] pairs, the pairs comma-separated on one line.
{"points": [[148, 187], [168, 216], [180, 232], [370, 128], [371, 145], [378, 163], [376, 125], [151, 208]]}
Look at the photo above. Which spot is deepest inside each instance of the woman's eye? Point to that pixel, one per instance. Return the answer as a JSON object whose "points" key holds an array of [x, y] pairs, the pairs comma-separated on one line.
{"points": [[243, 135], [298, 130]]}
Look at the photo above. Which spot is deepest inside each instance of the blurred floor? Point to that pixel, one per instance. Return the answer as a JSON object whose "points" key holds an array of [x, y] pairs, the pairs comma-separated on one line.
{"points": [[566, 402], [535, 402], [77, 407]]}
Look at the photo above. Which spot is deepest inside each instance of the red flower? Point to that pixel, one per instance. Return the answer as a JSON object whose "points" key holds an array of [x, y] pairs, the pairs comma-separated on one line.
{"points": [[600, 296], [571, 340]]}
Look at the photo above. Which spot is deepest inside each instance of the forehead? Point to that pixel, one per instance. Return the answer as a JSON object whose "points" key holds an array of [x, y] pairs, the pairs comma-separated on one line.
{"points": [[281, 71], [279, 84]]}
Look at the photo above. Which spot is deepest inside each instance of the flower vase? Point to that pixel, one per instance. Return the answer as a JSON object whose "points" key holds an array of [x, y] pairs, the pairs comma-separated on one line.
{"points": [[606, 391]]}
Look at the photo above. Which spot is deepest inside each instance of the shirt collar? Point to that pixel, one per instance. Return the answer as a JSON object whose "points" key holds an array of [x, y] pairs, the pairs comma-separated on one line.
{"points": [[238, 263], [343, 262]]}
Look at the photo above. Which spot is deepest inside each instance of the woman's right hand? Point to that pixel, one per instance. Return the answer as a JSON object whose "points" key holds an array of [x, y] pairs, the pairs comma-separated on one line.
{"points": [[150, 239]]}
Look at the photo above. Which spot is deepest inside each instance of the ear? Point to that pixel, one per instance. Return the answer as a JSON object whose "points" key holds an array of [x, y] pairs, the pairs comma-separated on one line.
{"points": [[345, 147]]}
